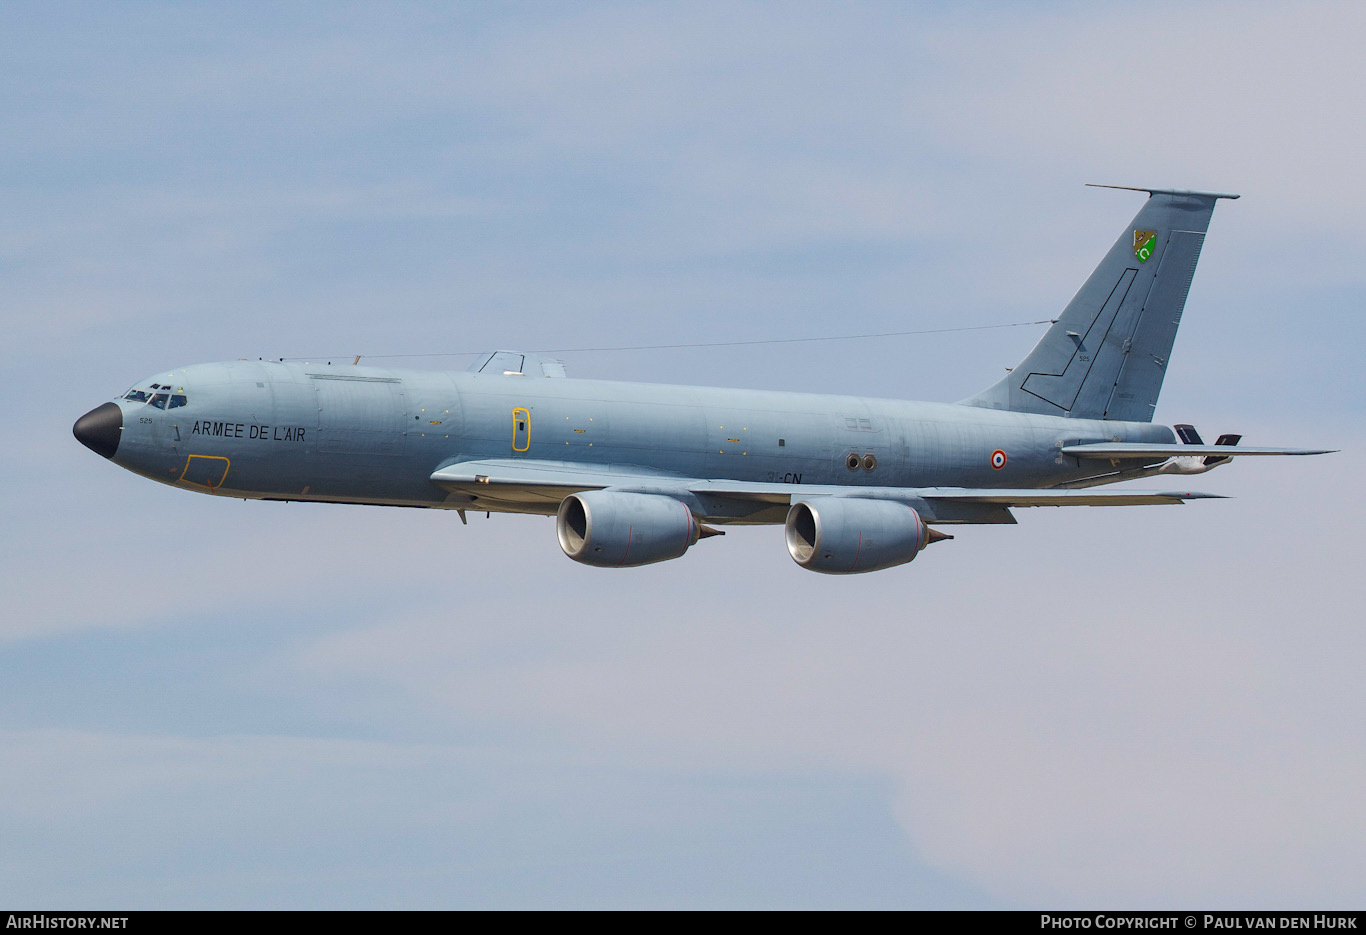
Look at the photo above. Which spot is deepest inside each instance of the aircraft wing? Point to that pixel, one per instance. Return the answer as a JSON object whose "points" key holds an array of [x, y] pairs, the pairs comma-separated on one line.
{"points": [[527, 479], [1131, 451], [1031, 496], [1054, 497], [950, 504], [530, 482]]}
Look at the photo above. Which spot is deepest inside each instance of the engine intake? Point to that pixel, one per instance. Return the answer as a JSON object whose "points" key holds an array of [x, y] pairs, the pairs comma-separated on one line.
{"points": [[849, 535], [611, 529]]}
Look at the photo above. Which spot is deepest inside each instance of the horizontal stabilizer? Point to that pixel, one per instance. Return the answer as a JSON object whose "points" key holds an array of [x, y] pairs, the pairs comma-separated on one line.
{"points": [[1167, 191], [1120, 452]]}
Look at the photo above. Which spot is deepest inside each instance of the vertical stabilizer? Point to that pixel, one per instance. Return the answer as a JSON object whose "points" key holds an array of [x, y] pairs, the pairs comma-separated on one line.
{"points": [[1106, 355]]}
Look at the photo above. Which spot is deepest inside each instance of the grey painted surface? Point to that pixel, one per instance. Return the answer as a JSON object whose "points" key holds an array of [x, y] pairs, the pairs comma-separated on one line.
{"points": [[297, 431], [1106, 355], [515, 434]]}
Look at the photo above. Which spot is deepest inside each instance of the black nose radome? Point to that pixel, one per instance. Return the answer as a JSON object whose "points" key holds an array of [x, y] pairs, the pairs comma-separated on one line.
{"points": [[99, 429]]}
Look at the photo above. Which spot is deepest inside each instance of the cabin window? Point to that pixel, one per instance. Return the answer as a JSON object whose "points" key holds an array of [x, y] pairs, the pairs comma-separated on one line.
{"points": [[137, 396], [159, 400], [177, 401]]}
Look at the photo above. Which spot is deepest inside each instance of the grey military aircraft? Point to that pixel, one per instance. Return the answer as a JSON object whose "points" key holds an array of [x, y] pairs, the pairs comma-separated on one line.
{"points": [[638, 473]]}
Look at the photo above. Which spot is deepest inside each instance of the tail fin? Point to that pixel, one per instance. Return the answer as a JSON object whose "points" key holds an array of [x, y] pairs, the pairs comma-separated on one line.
{"points": [[1106, 355]]}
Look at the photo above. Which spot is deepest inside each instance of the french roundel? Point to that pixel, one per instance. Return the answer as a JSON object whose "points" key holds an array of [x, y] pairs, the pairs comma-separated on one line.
{"points": [[998, 459]]}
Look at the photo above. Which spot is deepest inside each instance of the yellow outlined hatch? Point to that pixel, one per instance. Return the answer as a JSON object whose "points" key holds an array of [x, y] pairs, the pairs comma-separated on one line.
{"points": [[207, 473]]}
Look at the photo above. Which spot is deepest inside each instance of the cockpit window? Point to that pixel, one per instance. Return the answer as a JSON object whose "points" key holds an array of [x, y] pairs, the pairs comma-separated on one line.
{"points": [[163, 399]]}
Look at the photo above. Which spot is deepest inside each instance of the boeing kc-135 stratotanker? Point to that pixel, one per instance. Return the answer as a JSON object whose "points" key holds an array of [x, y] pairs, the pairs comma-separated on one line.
{"points": [[637, 473]]}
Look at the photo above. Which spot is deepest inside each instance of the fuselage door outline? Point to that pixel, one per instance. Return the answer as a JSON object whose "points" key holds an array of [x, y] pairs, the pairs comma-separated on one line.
{"points": [[205, 471], [521, 429]]}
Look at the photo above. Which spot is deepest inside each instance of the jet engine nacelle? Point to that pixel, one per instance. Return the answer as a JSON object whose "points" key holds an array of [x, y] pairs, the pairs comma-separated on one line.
{"points": [[613, 529], [848, 535]]}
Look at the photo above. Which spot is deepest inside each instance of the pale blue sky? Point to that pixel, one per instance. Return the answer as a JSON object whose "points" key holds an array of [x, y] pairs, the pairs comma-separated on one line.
{"points": [[207, 702]]}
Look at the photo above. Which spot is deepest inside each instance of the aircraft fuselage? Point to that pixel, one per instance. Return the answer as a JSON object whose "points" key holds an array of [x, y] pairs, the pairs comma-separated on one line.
{"points": [[633, 472], [285, 430]]}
